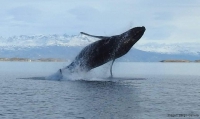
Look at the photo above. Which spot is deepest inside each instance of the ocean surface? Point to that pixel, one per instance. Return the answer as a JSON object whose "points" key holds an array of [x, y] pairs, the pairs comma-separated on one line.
{"points": [[138, 90]]}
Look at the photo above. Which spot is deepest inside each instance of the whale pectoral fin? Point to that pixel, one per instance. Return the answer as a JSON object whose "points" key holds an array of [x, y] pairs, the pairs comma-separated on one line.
{"points": [[111, 74], [100, 37]]}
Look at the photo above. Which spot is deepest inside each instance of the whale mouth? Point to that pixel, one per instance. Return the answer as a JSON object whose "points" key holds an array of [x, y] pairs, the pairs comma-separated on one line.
{"points": [[138, 32], [133, 35]]}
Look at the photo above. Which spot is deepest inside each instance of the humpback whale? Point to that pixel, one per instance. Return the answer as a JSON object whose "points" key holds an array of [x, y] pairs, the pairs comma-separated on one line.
{"points": [[108, 48]]}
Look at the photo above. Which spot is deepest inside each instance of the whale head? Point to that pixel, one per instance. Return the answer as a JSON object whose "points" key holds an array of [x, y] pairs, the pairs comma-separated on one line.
{"points": [[133, 35], [128, 39]]}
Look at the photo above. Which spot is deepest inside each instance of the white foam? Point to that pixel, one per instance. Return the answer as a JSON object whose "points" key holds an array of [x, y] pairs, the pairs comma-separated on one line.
{"points": [[55, 76], [100, 73]]}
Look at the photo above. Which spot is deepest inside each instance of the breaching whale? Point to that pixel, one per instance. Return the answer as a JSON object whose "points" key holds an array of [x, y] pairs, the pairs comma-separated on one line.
{"points": [[108, 48]]}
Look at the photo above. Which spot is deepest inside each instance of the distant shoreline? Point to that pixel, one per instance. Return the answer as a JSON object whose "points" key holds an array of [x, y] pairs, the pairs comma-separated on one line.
{"points": [[33, 60], [185, 61], [66, 60]]}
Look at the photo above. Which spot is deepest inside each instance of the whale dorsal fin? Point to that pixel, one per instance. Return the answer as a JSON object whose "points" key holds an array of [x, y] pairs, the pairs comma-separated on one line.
{"points": [[100, 37]]}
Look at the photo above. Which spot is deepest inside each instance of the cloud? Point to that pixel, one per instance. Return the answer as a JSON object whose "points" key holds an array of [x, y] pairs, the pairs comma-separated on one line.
{"points": [[172, 21], [167, 21], [24, 13], [83, 13]]}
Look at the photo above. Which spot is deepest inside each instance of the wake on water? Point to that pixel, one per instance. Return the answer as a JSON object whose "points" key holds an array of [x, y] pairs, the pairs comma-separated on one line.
{"points": [[101, 73], [97, 74]]}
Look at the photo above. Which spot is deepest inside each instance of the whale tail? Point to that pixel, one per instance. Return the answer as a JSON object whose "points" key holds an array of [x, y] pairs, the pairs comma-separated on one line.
{"points": [[56, 76], [60, 71]]}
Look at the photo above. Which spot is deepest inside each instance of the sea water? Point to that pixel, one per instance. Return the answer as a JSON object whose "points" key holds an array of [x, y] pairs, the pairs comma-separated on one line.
{"points": [[140, 90]]}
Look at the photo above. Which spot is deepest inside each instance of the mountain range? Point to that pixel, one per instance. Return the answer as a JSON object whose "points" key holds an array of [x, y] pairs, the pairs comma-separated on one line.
{"points": [[67, 47]]}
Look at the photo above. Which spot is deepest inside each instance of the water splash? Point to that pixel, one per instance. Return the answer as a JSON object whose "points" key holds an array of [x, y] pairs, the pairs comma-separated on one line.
{"points": [[93, 75]]}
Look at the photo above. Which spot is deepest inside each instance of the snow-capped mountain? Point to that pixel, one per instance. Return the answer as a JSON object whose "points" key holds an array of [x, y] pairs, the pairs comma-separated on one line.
{"points": [[170, 48], [42, 40], [64, 46]]}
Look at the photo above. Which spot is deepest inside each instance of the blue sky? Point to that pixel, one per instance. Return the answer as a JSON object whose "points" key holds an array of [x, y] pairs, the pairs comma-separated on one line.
{"points": [[165, 20]]}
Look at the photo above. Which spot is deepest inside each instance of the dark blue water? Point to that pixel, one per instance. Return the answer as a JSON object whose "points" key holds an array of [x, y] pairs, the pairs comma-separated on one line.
{"points": [[166, 90]]}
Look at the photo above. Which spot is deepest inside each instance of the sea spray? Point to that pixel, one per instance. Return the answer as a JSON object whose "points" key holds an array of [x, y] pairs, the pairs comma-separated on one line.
{"points": [[95, 74]]}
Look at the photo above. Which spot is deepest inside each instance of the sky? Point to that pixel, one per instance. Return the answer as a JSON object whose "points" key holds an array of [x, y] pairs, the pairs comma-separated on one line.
{"points": [[166, 21]]}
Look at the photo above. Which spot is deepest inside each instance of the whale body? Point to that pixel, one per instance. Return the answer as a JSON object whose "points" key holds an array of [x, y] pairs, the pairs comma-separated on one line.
{"points": [[108, 48]]}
